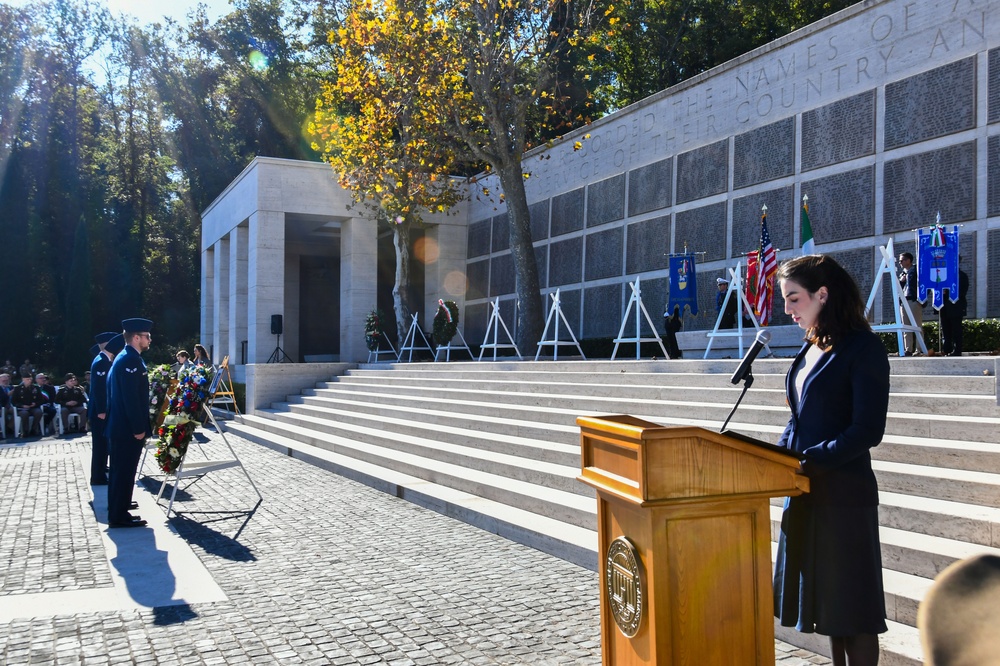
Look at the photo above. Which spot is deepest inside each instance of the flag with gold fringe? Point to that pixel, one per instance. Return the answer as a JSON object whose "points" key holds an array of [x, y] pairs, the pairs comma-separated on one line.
{"points": [[767, 268]]}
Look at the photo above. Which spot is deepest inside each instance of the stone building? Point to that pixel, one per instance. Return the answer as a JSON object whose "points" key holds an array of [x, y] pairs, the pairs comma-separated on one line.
{"points": [[884, 114]]}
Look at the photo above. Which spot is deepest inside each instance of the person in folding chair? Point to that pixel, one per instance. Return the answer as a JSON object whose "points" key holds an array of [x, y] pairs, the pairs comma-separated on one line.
{"points": [[72, 400], [128, 420]]}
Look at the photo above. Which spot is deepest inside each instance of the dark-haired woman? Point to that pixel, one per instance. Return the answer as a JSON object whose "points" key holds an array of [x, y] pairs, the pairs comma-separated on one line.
{"points": [[828, 575], [201, 356]]}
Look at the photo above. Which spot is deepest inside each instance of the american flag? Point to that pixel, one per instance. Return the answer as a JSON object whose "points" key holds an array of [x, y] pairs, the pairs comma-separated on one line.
{"points": [[767, 268]]}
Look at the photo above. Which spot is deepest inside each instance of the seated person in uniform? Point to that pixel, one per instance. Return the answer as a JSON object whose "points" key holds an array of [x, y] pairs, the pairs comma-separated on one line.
{"points": [[5, 401], [27, 400], [73, 401], [49, 391]]}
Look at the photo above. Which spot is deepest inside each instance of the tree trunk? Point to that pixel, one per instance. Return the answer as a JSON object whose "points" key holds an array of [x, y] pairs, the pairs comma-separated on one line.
{"points": [[401, 288], [530, 314]]}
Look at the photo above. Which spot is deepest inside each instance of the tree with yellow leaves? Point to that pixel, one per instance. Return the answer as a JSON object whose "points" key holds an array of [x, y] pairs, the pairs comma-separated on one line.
{"points": [[450, 80], [374, 127]]}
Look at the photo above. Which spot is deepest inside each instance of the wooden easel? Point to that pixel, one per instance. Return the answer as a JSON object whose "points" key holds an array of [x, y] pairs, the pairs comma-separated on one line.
{"points": [[225, 388]]}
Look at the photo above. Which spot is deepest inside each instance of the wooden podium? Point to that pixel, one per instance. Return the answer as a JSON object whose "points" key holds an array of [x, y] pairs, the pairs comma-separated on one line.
{"points": [[684, 532]]}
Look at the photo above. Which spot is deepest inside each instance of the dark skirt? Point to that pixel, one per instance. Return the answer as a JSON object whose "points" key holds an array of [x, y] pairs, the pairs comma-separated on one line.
{"points": [[828, 574]]}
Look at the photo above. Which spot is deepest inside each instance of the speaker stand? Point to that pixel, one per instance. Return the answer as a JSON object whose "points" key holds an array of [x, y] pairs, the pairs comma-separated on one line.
{"points": [[279, 355]]}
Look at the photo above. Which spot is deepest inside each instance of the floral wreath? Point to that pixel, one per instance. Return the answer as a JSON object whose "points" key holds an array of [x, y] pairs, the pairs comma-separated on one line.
{"points": [[161, 379], [445, 322], [183, 407], [373, 329]]}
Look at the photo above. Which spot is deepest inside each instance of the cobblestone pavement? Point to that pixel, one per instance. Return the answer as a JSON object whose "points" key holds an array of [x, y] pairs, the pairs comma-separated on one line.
{"points": [[324, 571]]}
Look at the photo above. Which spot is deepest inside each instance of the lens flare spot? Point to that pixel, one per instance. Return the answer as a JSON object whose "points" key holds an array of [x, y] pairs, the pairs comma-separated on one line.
{"points": [[455, 283], [258, 60], [426, 250]]}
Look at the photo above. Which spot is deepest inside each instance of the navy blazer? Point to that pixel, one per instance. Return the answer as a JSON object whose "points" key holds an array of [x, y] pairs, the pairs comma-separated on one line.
{"points": [[839, 417], [128, 397]]}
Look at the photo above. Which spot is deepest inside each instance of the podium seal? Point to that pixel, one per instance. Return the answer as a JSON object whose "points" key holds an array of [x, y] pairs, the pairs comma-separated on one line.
{"points": [[624, 580]]}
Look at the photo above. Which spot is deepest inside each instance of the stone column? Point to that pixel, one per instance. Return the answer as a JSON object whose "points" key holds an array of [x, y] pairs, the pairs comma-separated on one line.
{"points": [[358, 285], [207, 296], [265, 281], [444, 277], [238, 257], [220, 333]]}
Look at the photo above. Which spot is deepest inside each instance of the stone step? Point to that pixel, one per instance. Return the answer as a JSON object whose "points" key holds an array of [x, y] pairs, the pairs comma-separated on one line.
{"points": [[916, 384], [966, 366], [954, 485], [958, 521], [911, 553], [560, 443], [568, 507], [555, 408], [955, 404], [551, 443], [572, 543], [508, 457]]}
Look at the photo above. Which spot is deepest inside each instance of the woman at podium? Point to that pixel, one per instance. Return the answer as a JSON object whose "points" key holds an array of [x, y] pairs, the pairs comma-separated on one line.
{"points": [[828, 574]]}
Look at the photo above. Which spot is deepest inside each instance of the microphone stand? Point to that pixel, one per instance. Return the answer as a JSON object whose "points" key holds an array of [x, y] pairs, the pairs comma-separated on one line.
{"points": [[747, 383]]}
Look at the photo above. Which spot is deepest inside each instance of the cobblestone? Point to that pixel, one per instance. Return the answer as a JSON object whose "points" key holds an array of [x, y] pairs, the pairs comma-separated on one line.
{"points": [[323, 571]]}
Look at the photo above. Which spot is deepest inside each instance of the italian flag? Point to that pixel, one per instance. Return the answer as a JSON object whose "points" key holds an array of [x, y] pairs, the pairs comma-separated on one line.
{"points": [[806, 231]]}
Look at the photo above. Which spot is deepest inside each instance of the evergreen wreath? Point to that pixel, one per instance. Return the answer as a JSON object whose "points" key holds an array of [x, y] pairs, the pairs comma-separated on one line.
{"points": [[373, 329], [445, 322]]}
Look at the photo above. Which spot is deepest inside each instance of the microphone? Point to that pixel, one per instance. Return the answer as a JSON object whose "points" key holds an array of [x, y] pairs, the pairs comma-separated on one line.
{"points": [[763, 337]]}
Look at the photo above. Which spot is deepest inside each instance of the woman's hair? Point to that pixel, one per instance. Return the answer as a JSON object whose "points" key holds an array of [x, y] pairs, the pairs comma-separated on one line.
{"points": [[201, 351], [844, 310]]}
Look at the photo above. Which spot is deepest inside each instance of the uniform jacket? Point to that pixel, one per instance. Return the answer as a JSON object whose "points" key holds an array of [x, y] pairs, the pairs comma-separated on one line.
{"points": [[839, 417], [128, 396], [22, 396], [67, 394], [99, 368]]}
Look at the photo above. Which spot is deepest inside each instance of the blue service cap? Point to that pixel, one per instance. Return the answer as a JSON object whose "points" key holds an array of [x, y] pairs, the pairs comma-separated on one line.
{"points": [[137, 325], [95, 350], [101, 338], [115, 344]]}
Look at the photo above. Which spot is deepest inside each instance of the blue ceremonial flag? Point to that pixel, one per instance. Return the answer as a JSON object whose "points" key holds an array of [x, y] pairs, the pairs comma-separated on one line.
{"points": [[683, 285], [937, 264]]}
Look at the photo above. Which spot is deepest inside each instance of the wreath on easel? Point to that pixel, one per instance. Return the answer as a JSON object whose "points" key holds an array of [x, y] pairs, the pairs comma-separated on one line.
{"points": [[373, 329], [445, 322]]}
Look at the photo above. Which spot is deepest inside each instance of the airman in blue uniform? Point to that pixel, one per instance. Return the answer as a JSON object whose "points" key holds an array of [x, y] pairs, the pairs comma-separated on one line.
{"points": [[128, 420], [97, 404]]}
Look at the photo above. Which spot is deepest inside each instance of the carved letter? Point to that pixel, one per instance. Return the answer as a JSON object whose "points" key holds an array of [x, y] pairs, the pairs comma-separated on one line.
{"points": [[881, 26], [885, 57], [863, 68], [743, 112], [939, 41], [982, 29]]}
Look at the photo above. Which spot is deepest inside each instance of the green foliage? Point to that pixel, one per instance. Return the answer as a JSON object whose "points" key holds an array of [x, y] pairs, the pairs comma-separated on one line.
{"points": [[978, 335], [663, 42]]}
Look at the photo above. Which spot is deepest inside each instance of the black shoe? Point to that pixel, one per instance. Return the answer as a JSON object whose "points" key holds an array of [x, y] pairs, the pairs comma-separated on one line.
{"points": [[133, 523]]}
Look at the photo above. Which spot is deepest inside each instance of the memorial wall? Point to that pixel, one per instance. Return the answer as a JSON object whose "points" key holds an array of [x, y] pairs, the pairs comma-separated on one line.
{"points": [[883, 114]]}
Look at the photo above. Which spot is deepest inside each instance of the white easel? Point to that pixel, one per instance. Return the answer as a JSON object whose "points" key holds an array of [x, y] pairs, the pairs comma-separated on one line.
{"points": [[888, 267], [410, 341], [636, 299], [494, 324], [202, 467], [743, 305], [556, 313], [377, 352], [448, 347]]}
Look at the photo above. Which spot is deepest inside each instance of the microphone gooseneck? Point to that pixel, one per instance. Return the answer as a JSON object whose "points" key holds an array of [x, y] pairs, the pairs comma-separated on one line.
{"points": [[763, 337]]}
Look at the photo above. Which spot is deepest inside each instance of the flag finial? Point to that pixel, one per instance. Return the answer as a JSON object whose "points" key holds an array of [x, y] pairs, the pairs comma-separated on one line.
{"points": [[937, 220], [763, 209], [805, 199]]}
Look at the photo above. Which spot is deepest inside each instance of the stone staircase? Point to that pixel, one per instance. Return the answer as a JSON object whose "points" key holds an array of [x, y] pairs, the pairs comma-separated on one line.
{"points": [[496, 445]]}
